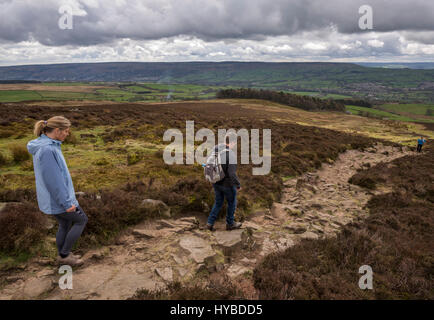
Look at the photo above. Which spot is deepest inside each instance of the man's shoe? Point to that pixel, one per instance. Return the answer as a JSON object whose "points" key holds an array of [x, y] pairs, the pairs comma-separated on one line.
{"points": [[235, 225], [69, 260], [210, 227]]}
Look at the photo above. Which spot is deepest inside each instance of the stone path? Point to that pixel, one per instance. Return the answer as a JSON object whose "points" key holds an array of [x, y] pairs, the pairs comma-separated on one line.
{"points": [[153, 253]]}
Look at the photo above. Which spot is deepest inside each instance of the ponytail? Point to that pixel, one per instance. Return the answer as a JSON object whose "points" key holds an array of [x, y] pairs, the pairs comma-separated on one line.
{"points": [[39, 128], [49, 125]]}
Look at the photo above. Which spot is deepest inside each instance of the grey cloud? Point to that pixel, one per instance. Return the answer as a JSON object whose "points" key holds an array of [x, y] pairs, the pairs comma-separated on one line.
{"points": [[211, 21]]}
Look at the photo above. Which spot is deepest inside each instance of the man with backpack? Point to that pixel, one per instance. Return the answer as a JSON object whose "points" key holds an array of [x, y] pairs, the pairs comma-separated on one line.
{"points": [[228, 186]]}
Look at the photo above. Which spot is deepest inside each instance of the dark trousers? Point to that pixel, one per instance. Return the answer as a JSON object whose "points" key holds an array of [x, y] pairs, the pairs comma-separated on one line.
{"points": [[419, 147], [222, 192], [71, 225]]}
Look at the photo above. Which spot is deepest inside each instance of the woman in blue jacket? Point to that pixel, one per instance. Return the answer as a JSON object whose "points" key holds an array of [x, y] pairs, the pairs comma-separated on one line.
{"points": [[54, 188]]}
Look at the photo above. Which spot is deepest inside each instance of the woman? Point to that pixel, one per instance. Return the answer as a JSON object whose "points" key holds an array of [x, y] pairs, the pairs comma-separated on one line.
{"points": [[54, 188]]}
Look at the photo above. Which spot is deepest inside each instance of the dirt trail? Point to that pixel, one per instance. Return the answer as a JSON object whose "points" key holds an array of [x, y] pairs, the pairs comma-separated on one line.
{"points": [[150, 254]]}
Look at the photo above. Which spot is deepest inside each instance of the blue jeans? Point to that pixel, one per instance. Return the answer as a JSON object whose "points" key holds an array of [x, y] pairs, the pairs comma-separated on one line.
{"points": [[222, 192], [71, 225]]}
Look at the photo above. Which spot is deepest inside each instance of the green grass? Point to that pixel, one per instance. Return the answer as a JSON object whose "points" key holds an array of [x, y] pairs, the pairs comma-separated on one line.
{"points": [[64, 84], [418, 109], [150, 92], [384, 114], [18, 95]]}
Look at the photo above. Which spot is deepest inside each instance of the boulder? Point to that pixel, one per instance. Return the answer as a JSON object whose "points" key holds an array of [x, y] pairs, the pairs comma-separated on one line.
{"points": [[229, 239], [156, 206], [309, 235]]}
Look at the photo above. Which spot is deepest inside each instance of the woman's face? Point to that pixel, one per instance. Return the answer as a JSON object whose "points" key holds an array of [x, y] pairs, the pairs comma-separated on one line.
{"points": [[61, 134]]}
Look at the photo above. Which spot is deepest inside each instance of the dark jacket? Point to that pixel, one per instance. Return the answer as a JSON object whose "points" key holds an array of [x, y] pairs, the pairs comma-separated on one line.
{"points": [[229, 167]]}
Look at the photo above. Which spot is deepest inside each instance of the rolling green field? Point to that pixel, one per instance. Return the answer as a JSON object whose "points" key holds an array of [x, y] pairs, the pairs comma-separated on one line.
{"points": [[149, 92], [412, 112], [344, 79], [419, 109], [159, 92]]}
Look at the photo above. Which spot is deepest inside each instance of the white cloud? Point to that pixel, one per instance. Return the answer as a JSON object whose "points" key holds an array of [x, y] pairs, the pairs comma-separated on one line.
{"points": [[375, 43], [254, 30]]}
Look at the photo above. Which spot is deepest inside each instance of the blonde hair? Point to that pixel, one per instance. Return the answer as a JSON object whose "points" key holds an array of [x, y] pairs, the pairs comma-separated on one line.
{"points": [[46, 126]]}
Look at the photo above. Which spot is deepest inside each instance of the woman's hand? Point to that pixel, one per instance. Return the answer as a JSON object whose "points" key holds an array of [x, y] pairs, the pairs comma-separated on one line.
{"points": [[72, 209]]}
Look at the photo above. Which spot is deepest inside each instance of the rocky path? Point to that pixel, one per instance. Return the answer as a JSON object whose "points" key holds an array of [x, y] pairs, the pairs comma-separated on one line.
{"points": [[153, 253]]}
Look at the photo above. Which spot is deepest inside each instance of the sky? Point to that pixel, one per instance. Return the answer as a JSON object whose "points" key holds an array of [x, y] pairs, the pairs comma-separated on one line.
{"points": [[63, 31]]}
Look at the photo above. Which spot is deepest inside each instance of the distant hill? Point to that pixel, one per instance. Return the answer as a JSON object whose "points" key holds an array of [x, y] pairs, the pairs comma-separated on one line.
{"points": [[340, 78], [398, 65], [213, 72]]}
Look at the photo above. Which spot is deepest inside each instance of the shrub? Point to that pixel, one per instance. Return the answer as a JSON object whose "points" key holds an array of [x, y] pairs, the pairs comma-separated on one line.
{"points": [[22, 226], [3, 159], [71, 139], [19, 153], [27, 165], [5, 133], [109, 214], [213, 290], [133, 158], [101, 162]]}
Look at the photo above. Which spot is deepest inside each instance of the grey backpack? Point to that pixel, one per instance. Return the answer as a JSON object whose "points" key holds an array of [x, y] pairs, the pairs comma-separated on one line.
{"points": [[213, 170]]}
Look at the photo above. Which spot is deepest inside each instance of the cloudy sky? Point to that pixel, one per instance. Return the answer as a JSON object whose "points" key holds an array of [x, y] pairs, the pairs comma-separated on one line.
{"points": [[214, 30]]}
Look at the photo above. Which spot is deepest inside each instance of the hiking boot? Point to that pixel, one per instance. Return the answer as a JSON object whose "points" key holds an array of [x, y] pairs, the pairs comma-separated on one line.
{"points": [[235, 225], [69, 260], [210, 227]]}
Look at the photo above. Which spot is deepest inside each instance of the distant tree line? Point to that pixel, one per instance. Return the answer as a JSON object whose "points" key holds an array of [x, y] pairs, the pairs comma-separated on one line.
{"points": [[18, 81], [298, 101], [355, 102]]}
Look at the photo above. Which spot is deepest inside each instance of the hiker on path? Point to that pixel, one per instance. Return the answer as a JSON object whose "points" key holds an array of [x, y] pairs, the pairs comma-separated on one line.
{"points": [[420, 143], [54, 188], [228, 186]]}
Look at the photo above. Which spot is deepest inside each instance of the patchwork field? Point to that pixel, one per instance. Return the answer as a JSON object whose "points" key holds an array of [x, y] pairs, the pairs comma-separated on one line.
{"points": [[100, 91]]}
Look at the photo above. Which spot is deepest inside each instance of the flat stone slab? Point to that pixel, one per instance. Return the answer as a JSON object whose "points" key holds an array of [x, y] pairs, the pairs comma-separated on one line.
{"points": [[229, 239], [200, 250], [37, 286], [165, 273], [236, 270], [146, 234]]}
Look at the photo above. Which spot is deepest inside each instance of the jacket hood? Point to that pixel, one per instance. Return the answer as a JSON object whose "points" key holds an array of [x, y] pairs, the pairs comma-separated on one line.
{"points": [[34, 145]]}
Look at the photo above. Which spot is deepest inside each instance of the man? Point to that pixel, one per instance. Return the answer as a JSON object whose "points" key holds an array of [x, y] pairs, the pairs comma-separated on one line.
{"points": [[54, 188], [420, 143], [228, 186]]}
